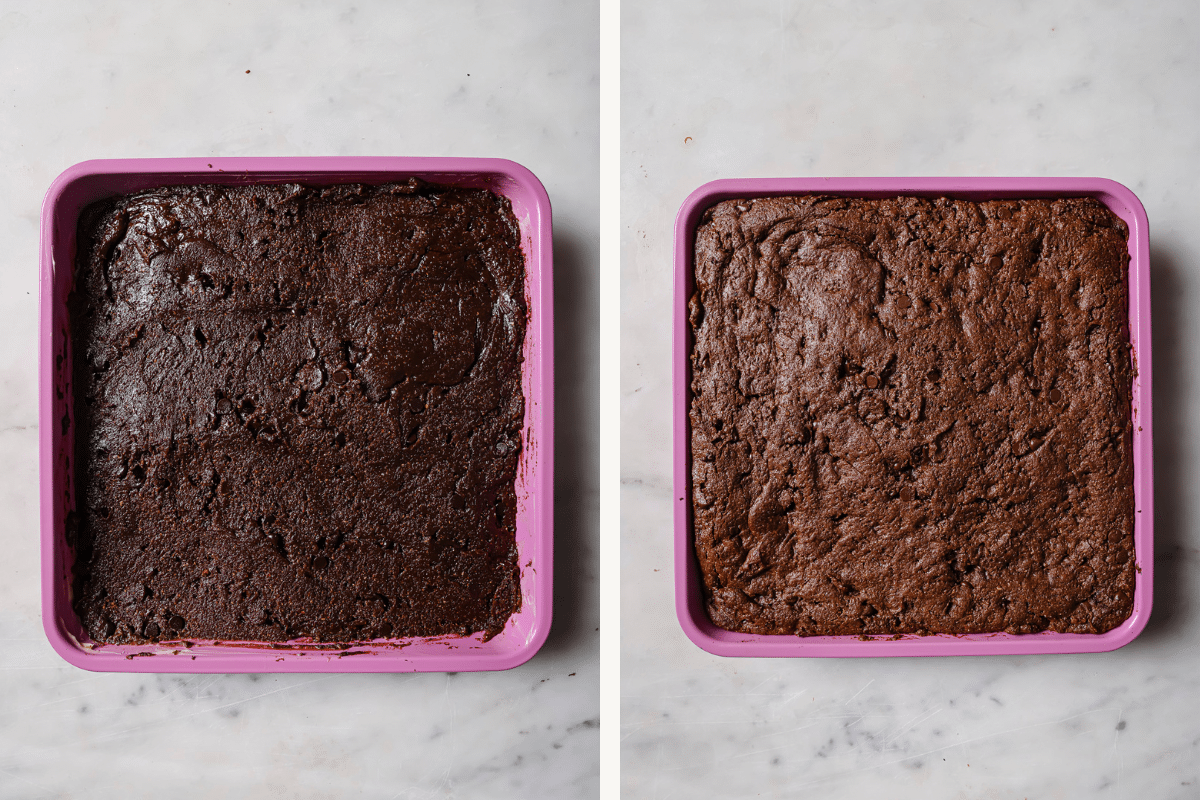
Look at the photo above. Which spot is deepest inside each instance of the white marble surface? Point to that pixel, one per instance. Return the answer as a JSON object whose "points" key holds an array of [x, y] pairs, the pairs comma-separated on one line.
{"points": [[169, 79], [914, 88]]}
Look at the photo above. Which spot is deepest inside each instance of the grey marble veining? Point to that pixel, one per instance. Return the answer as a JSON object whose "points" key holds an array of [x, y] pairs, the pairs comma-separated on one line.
{"points": [[714, 90], [80, 81]]}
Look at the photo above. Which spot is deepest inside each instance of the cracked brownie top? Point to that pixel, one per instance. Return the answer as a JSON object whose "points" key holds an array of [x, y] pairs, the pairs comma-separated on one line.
{"points": [[912, 416], [298, 413]]}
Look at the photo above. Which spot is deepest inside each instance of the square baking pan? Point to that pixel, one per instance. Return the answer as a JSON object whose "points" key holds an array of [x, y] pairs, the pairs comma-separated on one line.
{"points": [[525, 631], [689, 597]]}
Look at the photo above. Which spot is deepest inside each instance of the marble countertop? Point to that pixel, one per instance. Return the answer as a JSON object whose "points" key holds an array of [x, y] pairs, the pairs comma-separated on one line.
{"points": [[718, 90], [80, 81]]}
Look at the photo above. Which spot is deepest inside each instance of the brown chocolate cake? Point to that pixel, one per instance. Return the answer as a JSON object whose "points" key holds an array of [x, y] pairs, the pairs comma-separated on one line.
{"points": [[298, 412], [912, 416]]}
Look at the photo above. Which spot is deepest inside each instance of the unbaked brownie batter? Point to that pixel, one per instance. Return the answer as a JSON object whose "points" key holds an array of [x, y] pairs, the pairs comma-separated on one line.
{"points": [[298, 412]]}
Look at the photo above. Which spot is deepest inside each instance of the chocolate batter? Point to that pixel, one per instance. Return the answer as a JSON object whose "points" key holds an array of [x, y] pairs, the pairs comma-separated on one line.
{"points": [[298, 411], [912, 416]]}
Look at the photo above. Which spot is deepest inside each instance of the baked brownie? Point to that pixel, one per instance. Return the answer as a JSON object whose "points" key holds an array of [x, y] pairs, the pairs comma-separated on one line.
{"points": [[298, 412], [912, 416]]}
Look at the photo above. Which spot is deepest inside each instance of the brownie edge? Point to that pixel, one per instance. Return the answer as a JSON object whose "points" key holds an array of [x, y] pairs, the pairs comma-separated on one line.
{"points": [[298, 413], [912, 415]]}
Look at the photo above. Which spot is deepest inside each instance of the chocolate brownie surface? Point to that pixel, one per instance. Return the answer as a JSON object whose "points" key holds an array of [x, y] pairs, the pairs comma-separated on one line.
{"points": [[912, 416], [298, 412]]}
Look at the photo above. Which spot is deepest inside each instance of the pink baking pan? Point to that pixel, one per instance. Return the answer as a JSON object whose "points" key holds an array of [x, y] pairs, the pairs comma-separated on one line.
{"points": [[689, 599], [526, 630]]}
